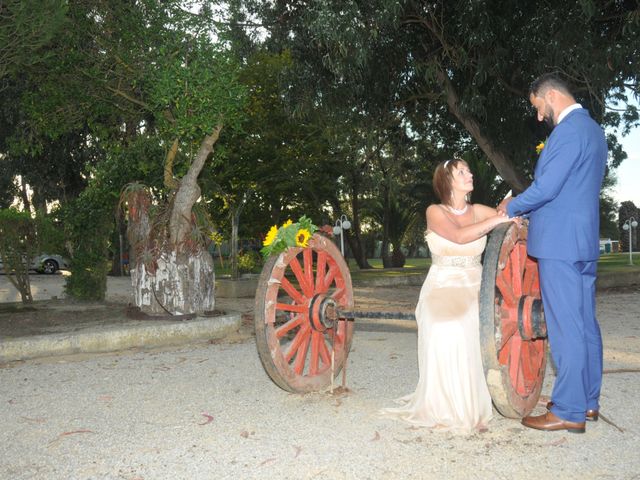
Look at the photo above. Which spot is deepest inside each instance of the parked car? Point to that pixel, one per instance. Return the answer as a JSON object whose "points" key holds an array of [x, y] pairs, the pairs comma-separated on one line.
{"points": [[46, 263]]}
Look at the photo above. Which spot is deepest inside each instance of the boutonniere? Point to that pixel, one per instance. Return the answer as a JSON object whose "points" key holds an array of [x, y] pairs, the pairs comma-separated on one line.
{"points": [[540, 147]]}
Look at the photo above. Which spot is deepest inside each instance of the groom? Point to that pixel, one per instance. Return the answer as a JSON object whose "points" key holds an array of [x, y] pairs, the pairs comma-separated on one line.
{"points": [[563, 207]]}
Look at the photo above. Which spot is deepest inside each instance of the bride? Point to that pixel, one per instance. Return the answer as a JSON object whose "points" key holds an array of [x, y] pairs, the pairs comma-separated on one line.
{"points": [[452, 393]]}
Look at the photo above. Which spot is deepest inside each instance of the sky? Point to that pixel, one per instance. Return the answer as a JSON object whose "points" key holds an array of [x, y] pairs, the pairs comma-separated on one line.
{"points": [[628, 173]]}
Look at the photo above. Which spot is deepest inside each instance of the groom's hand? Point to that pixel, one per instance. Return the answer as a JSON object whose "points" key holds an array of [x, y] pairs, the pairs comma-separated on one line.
{"points": [[502, 207]]}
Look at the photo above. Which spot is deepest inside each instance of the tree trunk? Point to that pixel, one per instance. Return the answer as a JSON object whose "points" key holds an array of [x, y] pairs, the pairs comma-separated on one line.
{"points": [[180, 278], [384, 253], [235, 223], [235, 274], [25, 196], [180, 222], [352, 236], [501, 162], [182, 283]]}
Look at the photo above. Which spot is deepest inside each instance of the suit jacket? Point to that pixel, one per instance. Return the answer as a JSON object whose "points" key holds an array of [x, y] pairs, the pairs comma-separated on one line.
{"points": [[563, 202]]}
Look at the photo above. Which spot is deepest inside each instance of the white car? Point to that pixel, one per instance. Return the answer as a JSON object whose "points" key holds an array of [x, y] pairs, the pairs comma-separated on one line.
{"points": [[45, 263]]}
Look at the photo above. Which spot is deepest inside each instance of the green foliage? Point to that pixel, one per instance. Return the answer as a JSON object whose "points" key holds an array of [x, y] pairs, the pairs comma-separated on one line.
{"points": [[249, 262], [18, 246], [454, 70], [26, 28], [18, 240], [88, 221]]}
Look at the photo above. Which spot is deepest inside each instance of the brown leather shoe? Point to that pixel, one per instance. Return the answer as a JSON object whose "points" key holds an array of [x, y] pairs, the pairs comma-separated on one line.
{"points": [[549, 422], [592, 415]]}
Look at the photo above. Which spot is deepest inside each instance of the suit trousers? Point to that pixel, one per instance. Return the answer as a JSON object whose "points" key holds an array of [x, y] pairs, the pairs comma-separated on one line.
{"points": [[568, 295]]}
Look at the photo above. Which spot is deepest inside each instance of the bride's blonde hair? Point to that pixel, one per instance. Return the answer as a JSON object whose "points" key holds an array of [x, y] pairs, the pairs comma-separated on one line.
{"points": [[443, 179]]}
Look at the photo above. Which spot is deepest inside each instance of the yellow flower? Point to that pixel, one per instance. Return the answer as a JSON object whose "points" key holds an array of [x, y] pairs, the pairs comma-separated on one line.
{"points": [[302, 237], [287, 223], [539, 147], [271, 236]]}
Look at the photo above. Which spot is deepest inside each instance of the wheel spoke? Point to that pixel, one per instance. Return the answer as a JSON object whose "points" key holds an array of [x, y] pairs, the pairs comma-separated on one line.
{"points": [[331, 274], [321, 269], [529, 370], [307, 288], [301, 354], [301, 337], [514, 361], [292, 291], [324, 351], [307, 255], [288, 307], [531, 282], [508, 330], [338, 294], [316, 338], [505, 288], [517, 265], [296, 321]]}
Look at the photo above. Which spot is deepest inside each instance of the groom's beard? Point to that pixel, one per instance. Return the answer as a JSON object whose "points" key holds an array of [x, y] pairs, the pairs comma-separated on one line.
{"points": [[548, 117]]}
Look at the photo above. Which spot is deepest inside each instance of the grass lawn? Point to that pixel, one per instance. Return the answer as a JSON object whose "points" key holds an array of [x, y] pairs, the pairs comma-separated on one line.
{"points": [[609, 263], [618, 262]]}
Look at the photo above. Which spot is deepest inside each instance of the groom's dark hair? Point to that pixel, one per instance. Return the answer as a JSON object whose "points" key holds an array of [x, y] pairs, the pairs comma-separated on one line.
{"points": [[548, 81]]}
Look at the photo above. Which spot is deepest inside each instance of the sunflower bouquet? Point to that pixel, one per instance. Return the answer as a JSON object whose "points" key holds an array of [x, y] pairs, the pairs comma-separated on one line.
{"points": [[290, 234]]}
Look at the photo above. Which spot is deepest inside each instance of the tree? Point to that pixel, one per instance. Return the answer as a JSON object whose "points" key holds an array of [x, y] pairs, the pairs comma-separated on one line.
{"points": [[458, 61], [26, 28], [18, 247], [152, 70]]}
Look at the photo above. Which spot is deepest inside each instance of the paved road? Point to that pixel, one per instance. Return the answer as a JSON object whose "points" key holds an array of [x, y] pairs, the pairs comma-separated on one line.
{"points": [[209, 411]]}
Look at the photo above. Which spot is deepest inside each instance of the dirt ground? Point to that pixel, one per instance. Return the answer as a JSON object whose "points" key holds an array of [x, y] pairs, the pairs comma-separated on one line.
{"points": [[52, 312]]}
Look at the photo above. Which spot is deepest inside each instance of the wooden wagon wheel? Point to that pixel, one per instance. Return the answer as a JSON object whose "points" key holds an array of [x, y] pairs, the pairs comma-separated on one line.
{"points": [[300, 340], [512, 328]]}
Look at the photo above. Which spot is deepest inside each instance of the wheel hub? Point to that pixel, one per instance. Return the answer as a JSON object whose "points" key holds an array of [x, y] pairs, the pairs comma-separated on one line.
{"points": [[531, 323], [323, 312]]}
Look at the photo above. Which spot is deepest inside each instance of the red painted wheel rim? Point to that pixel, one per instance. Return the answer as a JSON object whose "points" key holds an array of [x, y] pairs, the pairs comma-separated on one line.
{"points": [[514, 365], [518, 278], [296, 350]]}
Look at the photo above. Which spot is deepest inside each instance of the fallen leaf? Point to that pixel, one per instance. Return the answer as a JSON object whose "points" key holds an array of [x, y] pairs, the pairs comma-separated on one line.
{"points": [[34, 420], [555, 443], [65, 434], [244, 434], [376, 437], [74, 432], [209, 419], [268, 460], [298, 450]]}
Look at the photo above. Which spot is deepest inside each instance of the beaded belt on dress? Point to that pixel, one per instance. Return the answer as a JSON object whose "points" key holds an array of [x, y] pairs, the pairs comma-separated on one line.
{"points": [[454, 261]]}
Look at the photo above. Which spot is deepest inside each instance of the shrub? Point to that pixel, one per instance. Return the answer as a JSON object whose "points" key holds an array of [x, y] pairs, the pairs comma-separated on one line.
{"points": [[249, 262]]}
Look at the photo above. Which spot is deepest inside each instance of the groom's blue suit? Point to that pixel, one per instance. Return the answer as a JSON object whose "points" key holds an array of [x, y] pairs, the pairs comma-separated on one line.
{"points": [[563, 208]]}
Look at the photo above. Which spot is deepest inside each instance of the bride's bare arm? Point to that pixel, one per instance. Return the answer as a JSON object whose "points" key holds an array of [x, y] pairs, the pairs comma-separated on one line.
{"points": [[441, 222]]}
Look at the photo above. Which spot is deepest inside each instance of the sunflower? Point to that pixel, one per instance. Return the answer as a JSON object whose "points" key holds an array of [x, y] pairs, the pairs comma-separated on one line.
{"points": [[302, 237], [271, 236], [539, 147], [287, 223]]}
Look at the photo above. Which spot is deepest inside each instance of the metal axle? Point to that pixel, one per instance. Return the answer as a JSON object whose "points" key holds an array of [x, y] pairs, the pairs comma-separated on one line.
{"points": [[352, 315]]}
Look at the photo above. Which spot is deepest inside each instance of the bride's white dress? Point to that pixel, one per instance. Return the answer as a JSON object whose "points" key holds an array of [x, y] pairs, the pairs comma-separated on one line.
{"points": [[452, 393]]}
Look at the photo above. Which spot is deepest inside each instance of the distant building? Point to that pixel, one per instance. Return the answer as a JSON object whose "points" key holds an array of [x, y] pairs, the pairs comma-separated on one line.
{"points": [[609, 246]]}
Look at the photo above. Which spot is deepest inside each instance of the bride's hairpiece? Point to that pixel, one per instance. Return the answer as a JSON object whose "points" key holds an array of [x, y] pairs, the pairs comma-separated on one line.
{"points": [[446, 163]]}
